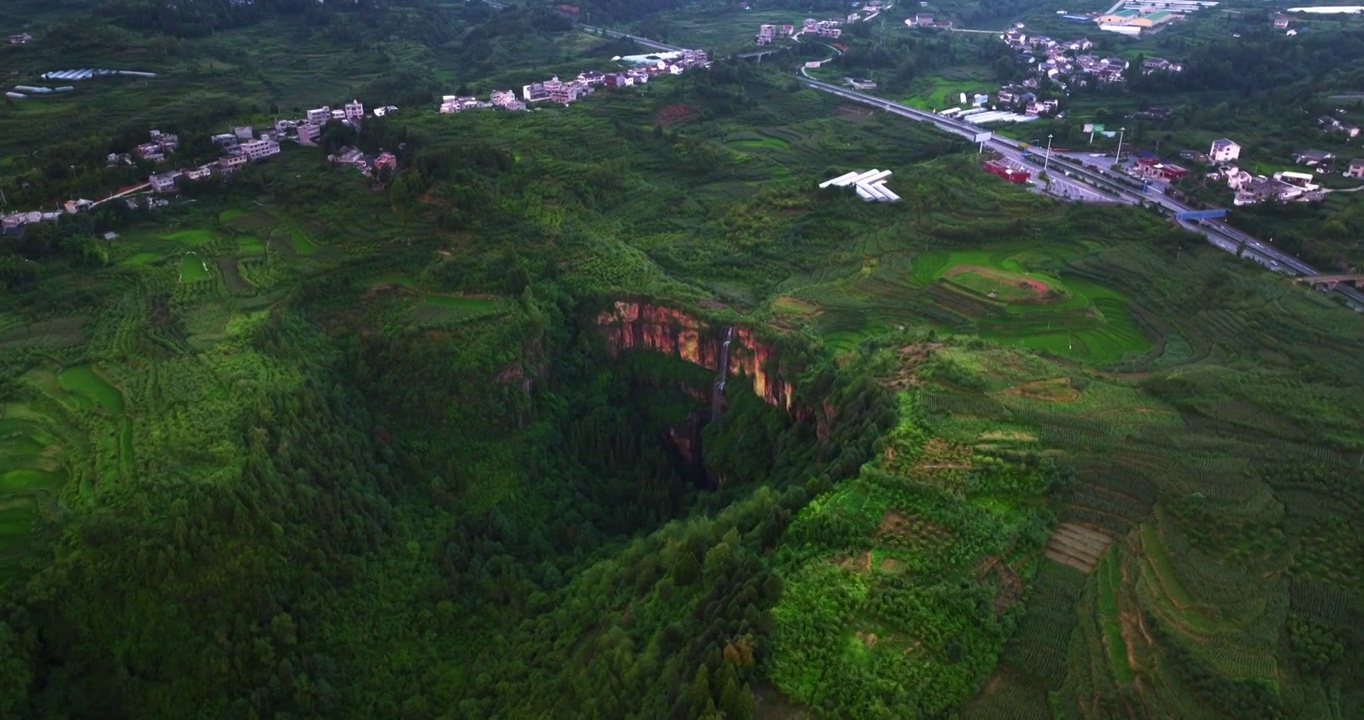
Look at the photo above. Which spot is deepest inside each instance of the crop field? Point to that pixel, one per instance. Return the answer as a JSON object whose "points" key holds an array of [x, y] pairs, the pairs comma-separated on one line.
{"points": [[944, 89], [250, 246], [91, 390], [301, 242], [193, 269], [32, 476]]}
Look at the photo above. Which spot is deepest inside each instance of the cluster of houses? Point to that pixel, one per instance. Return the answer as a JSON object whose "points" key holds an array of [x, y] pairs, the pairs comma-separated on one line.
{"points": [[368, 165], [1284, 186], [567, 91], [505, 99], [767, 34], [926, 20], [1332, 125], [1063, 65], [243, 145]]}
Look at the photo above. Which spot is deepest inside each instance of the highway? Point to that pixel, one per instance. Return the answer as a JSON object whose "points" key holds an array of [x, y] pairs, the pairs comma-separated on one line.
{"points": [[1066, 171], [646, 42], [1218, 233]]}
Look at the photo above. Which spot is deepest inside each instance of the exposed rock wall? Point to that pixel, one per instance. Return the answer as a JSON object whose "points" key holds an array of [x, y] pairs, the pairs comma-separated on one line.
{"points": [[639, 325]]}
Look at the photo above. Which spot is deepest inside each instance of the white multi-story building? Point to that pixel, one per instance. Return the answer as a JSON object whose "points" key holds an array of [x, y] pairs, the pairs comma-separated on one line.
{"points": [[1224, 150], [308, 132], [355, 110], [320, 115], [243, 133], [456, 103], [164, 182], [257, 149]]}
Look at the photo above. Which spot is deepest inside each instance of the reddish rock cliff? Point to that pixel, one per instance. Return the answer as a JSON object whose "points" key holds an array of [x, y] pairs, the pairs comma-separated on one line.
{"points": [[645, 326]]}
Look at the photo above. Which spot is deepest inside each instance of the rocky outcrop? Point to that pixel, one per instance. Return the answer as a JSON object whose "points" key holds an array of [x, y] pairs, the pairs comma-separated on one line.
{"points": [[641, 325]]}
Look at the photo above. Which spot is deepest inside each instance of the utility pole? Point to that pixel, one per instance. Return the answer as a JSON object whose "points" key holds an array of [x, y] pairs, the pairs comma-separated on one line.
{"points": [[1047, 159], [1118, 157]]}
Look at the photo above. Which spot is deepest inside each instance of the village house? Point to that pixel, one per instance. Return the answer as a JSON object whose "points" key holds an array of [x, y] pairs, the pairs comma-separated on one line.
{"points": [[151, 152], [1224, 150], [244, 133], [787, 30], [199, 173], [534, 92], [224, 140], [1261, 189], [592, 77], [164, 182], [257, 149], [1281, 22], [229, 164], [350, 156], [693, 57], [506, 99], [308, 132], [386, 160], [354, 111], [457, 103], [1150, 166], [766, 33], [20, 39], [167, 141], [1302, 180], [1312, 158], [1356, 169], [1156, 64], [1330, 124], [320, 115]]}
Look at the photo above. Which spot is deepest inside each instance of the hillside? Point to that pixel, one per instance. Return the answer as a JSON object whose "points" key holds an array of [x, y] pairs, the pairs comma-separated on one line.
{"points": [[306, 443]]}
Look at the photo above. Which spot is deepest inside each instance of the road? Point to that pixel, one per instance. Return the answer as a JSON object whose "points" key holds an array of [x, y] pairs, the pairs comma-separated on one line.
{"points": [[646, 42], [1113, 185]]}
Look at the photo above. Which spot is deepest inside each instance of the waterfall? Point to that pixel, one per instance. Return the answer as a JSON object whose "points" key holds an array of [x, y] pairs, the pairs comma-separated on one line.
{"points": [[721, 371]]}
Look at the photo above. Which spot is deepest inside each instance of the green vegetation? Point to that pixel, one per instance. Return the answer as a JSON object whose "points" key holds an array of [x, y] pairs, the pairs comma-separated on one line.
{"points": [[193, 268], [91, 389], [301, 448]]}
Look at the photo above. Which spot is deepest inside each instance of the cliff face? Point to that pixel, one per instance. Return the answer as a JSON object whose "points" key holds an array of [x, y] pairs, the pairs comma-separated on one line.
{"points": [[634, 325]]}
